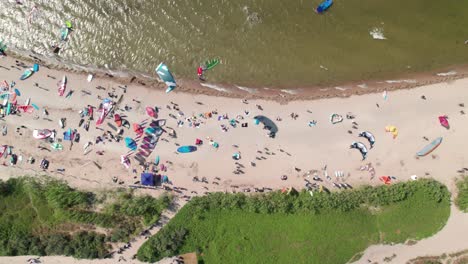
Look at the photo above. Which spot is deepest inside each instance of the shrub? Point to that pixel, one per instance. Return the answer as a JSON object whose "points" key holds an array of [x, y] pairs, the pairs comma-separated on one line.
{"points": [[462, 199], [164, 245]]}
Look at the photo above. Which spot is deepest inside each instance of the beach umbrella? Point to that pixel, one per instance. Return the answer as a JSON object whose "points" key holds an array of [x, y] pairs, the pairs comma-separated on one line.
{"points": [[130, 143]]}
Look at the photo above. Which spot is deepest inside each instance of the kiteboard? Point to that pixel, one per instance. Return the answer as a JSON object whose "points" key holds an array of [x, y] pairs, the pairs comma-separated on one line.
{"points": [[429, 148], [186, 149]]}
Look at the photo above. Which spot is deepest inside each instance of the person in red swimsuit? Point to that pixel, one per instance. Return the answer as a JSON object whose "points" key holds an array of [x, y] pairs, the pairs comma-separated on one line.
{"points": [[200, 71]]}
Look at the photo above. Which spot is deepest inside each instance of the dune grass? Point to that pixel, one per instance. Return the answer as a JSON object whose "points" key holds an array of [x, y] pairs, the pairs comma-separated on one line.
{"points": [[326, 228], [462, 199], [47, 217]]}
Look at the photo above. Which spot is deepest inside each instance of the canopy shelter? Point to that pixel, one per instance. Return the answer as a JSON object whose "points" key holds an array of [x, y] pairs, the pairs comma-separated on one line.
{"points": [[147, 179]]}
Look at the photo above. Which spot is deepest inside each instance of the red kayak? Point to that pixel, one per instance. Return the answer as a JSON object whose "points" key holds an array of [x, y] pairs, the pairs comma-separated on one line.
{"points": [[444, 121]]}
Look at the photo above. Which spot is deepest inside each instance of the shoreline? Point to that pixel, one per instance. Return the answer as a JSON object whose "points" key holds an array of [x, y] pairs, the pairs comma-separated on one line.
{"points": [[304, 147], [278, 94]]}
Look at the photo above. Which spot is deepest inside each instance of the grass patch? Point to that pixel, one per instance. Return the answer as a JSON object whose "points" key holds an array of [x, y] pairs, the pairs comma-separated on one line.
{"points": [[325, 228], [50, 218], [462, 199]]}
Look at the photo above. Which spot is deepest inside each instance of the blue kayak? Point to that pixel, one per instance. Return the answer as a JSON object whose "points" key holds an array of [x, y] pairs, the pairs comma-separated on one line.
{"points": [[324, 6], [186, 149]]}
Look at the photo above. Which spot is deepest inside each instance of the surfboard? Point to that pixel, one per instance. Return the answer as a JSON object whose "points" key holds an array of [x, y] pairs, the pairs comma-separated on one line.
{"points": [[186, 149], [429, 148], [35, 106], [36, 67], [17, 92], [28, 101], [156, 161]]}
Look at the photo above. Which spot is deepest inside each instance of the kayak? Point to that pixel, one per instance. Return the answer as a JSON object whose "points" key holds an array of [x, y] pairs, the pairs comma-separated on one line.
{"points": [[210, 64], [27, 73], [62, 86], [429, 148], [324, 6]]}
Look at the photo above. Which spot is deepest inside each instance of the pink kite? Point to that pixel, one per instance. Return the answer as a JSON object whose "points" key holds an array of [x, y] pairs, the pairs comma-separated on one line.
{"points": [[150, 111], [444, 121]]}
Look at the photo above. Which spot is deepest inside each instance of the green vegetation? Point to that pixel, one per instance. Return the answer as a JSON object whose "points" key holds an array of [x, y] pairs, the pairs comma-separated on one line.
{"points": [[50, 218], [462, 198], [325, 228]]}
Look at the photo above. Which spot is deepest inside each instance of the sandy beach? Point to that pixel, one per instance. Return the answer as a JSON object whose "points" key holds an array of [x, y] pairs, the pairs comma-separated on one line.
{"points": [[299, 150]]}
